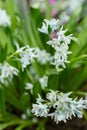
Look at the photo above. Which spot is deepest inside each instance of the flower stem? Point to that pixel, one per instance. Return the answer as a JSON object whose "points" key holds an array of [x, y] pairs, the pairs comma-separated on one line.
{"points": [[48, 9]]}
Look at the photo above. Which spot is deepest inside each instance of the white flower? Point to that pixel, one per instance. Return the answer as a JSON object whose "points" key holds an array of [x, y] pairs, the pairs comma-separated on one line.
{"points": [[52, 96], [42, 56], [64, 97], [77, 106], [66, 107], [53, 24], [63, 107], [29, 86], [58, 116], [44, 28], [27, 56], [43, 81], [54, 42], [7, 71], [61, 47], [61, 34], [39, 99], [4, 18], [22, 49], [60, 44], [62, 37], [60, 56], [40, 110], [67, 39], [23, 116]]}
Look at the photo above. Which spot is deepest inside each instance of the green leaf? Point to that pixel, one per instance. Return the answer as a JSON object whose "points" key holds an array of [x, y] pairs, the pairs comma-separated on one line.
{"points": [[10, 123], [25, 101], [37, 89], [53, 82]]}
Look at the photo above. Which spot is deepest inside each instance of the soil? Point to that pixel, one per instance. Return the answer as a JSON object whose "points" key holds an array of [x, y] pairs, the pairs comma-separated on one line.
{"points": [[75, 124]]}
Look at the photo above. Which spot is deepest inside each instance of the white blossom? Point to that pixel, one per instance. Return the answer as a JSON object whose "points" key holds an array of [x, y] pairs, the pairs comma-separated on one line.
{"points": [[60, 43], [54, 42], [43, 56], [60, 56], [62, 37], [63, 106], [76, 107], [44, 28], [61, 47], [64, 97], [22, 49], [66, 107], [39, 99], [6, 72], [53, 24], [52, 96], [40, 110], [23, 116], [43, 81], [4, 18], [58, 116], [29, 86], [26, 55]]}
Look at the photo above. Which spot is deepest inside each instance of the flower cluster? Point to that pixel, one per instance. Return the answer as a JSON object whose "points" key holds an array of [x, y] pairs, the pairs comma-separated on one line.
{"points": [[26, 55], [6, 72], [60, 42], [59, 106], [49, 26], [4, 19]]}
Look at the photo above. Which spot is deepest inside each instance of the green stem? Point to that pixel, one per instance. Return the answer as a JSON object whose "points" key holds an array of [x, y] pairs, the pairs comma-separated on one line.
{"points": [[81, 93], [85, 114], [2, 100], [25, 124], [17, 122], [11, 56], [41, 125], [30, 77], [48, 9], [79, 58]]}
